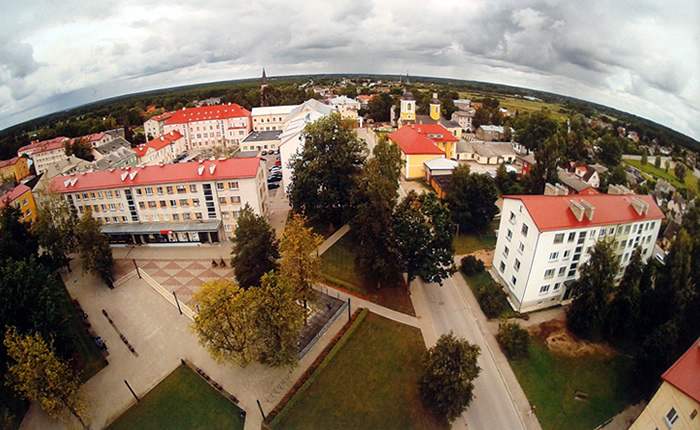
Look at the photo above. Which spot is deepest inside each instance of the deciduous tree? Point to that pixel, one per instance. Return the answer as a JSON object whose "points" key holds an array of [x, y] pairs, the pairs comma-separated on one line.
{"points": [[55, 228], [300, 265], [471, 198], [37, 374], [623, 313], [325, 170], [94, 249], [447, 385], [424, 237], [16, 241], [255, 250]]}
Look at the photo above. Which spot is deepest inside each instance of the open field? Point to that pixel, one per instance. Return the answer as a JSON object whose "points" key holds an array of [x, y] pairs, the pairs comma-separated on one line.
{"points": [[338, 267], [368, 380], [183, 400], [690, 182], [520, 104], [576, 393]]}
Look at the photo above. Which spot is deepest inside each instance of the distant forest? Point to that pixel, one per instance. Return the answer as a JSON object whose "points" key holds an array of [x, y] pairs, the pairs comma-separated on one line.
{"points": [[129, 111]]}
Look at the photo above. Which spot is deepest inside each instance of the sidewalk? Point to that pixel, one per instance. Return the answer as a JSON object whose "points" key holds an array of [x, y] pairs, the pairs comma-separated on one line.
{"points": [[332, 239]]}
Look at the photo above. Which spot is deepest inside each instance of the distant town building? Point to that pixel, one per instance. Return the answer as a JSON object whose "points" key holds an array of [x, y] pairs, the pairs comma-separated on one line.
{"points": [[154, 126], [211, 126], [347, 106], [262, 141], [416, 148], [15, 168], [490, 153], [195, 202], [676, 404], [270, 118], [407, 114], [45, 153], [21, 197], [491, 132], [544, 239], [211, 101], [165, 148]]}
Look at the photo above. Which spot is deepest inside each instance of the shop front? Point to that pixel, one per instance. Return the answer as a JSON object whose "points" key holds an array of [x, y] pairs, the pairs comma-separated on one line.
{"points": [[164, 233]]}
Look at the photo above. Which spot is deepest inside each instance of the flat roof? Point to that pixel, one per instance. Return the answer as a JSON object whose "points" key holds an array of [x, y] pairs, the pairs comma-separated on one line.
{"points": [[160, 227], [261, 136], [272, 110]]}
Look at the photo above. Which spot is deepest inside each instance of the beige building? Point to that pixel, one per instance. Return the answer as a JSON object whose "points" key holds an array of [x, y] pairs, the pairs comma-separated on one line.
{"points": [[270, 118], [45, 153], [676, 403], [154, 126], [262, 141], [347, 106], [163, 149], [185, 203]]}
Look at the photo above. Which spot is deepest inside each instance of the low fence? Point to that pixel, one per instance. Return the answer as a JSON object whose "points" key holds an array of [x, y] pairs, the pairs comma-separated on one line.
{"points": [[323, 329]]}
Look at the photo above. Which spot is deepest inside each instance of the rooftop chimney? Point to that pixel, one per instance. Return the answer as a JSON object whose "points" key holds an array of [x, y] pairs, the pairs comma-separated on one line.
{"points": [[589, 209], [577, 209], [618, 190], [640, 206]]}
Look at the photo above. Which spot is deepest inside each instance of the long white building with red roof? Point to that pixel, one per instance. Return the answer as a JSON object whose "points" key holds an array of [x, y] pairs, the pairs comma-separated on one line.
{"points": [[210, 126], [195, 202], [45, 153], [163, 149], [544, 239]]}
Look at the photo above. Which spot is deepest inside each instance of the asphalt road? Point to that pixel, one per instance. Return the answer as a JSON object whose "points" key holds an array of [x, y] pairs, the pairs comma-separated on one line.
{"points": [[446, 309]]}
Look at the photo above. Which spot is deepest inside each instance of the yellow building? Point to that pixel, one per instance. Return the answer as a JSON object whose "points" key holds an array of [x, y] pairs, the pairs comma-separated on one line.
{"points": [[20, 197], [415, 149], [435, 113], [16, 168], [408, 108], [676, 404]]}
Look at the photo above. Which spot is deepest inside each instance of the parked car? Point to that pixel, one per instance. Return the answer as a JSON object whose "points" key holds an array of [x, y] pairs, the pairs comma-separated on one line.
{"points": [[264, 153], [274, 178], [278, 163], [273, 185], [275, 169]]}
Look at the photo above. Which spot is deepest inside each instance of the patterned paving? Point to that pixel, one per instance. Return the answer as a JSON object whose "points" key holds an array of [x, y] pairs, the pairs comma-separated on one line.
{"points": [[183, 276]]}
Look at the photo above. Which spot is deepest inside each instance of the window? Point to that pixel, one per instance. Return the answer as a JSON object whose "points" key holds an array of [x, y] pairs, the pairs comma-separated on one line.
{"points": [[149, 191], [553, 256], [195, 203], [521, 247], [117, 193], [222, 200], [544, 289], [176, 217], [559, 238], [502, 266], [512, 218], [524, 230], [173, 203], [671, 417], [571, 237], [549, 274], [505, 251], [187, 216], [235, 199], [160, 190], [516, 265], [562, 270], [513, 280], [509, 234], [151, 205], [184, 203], [602, 232], [169, 189], [556, 286], [193, 188], [219, 185], [142, 205], [566, 254], [181, 189], [198, 215], [627, 228]]}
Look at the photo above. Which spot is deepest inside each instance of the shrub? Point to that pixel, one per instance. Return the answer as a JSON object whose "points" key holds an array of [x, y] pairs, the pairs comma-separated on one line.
{"points": [[493, 301], [514, 340], [471, 265]]}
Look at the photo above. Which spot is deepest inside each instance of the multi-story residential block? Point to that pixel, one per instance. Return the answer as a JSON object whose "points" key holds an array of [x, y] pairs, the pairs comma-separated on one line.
{"points": [[194, 202], [15, 168], [21, 197], [262, 141], [45, 153], [163, 149], [676, 404], [97, 139], [270, 118], [544, 239], [210, 126], [153, 127]]}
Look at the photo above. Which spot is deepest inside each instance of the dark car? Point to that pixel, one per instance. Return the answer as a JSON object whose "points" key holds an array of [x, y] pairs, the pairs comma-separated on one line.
{"points": [[274, 179], [273, 185]]}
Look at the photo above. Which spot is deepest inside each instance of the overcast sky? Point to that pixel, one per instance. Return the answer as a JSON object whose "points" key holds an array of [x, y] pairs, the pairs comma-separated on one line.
{"points": [[638, 56]]}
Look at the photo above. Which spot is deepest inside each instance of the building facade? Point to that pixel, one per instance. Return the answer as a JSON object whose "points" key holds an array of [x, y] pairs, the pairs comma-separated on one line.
{"points": [[15, 168], [154, 126], [45, 153], [544, 239], [21, 197], [195, 202], [408, 108], [262, 141], [270, 118], [163, 149], [347, 107], [210, 126], [416, 148]]}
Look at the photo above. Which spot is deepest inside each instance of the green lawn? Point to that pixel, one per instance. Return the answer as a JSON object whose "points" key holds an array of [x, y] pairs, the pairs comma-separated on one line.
{"points": [[551, 382], [183, 400], [469, 242], [338, 268], [691, 182], [519, 104], [482, 282], [369, 380]]}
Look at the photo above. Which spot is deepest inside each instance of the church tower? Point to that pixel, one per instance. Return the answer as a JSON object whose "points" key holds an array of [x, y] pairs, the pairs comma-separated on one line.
{"points": [[408, 108], [263, 88], [435, 112]]}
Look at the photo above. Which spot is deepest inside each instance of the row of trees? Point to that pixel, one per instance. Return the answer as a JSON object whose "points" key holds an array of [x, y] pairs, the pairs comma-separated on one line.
{"points": [[260, 318], [653, 311], [35, 355]]}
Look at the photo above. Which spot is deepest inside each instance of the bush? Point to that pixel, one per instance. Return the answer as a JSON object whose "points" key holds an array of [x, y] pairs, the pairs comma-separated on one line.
{"points": [[471, 265], [493, 301], [514, 340]]}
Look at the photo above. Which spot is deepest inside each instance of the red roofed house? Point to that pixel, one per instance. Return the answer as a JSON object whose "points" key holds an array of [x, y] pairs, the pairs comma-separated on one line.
{"points": [[97, 139], [163, 149], [544, 239], [21, 197], [416, 148], [195, 202], [45, 153], [676, 404], [15, 168], [153, 127], [210, 126]]}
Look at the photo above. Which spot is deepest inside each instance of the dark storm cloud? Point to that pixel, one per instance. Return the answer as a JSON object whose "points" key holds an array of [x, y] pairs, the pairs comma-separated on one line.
{"points": [[639, 56]]}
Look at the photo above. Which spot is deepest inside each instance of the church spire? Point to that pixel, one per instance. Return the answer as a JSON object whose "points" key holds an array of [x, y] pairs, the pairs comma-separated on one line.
{"points": [[263, 89]]}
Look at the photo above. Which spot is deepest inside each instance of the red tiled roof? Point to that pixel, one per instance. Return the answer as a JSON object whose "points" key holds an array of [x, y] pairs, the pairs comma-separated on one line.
{"points": [[684, 374], [163, 116], [553, 212], [588, 192], [436, 132], [44, 145], [13, 194], [205, 113], [232, 168], [93, 137], [11, 162], [412, 142], [157, 143]]}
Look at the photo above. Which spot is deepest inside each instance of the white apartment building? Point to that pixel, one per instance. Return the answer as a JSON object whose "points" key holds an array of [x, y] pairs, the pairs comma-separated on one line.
{"points": [[154, 126], [348, 107], [210, 126], [45, 153], [544, 239], [270, 118], [186, 203], [163, 149], [292, 137]]}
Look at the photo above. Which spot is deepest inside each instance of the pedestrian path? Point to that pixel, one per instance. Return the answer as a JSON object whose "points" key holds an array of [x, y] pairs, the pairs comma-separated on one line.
{"points": [[332, 239]]}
